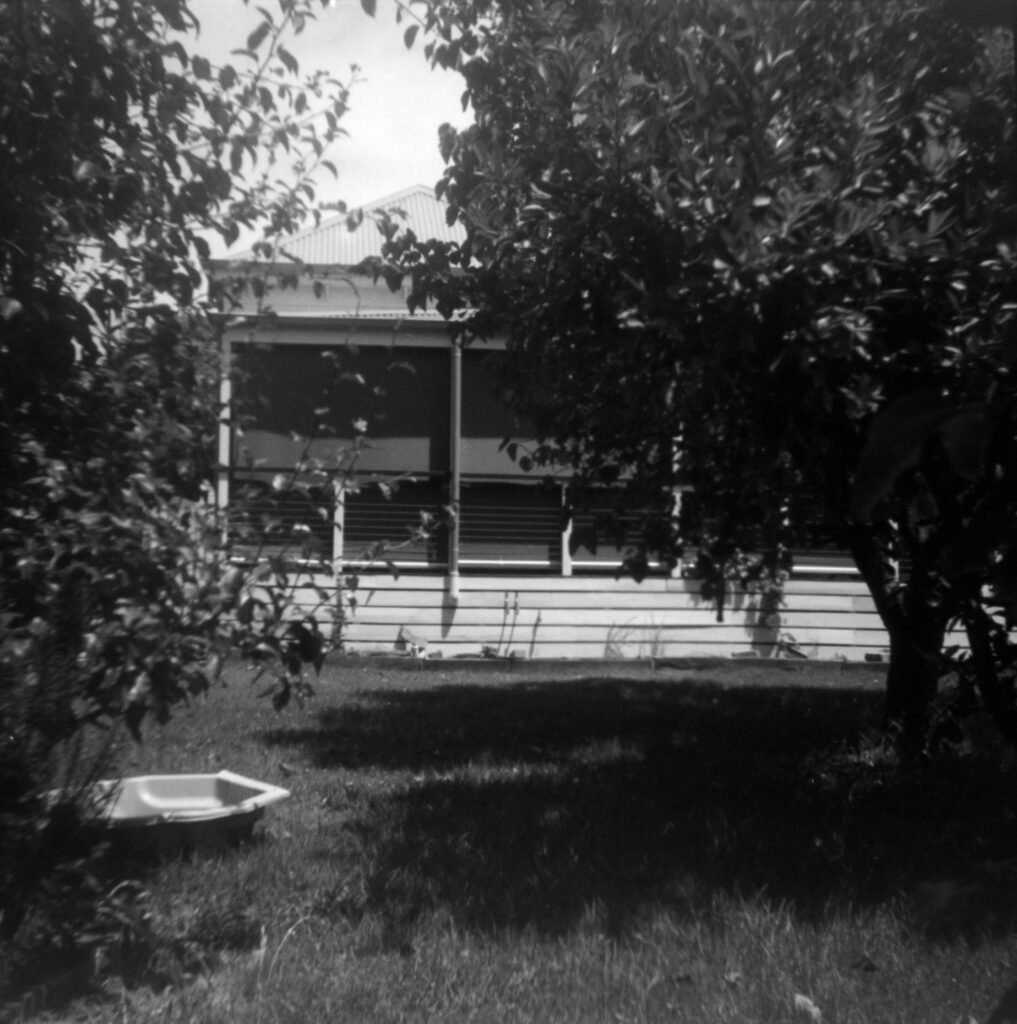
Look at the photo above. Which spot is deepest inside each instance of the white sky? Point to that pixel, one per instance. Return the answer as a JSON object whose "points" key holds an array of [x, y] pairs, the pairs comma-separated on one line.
{"points": [[394, 112]]}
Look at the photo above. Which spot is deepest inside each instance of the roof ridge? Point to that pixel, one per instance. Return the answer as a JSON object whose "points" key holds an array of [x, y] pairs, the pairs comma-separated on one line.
{"points": [[368, 208], [320, 231]]}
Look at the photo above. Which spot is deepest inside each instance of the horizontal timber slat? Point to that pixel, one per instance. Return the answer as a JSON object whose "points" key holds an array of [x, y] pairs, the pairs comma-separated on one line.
{"points": [[492, 634], [607, 617], [596, 652], [573, 647], [582, 584], [588, 601]]}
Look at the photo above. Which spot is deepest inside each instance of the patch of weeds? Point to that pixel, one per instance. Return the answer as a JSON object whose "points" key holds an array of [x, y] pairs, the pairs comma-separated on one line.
{"points": [[853, 767], [224, 922], [126, 939], [344, 900], [53, 942], [902, 826]]}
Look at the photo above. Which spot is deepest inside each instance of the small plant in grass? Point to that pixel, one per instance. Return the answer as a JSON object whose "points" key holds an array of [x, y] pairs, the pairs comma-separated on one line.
{"points": [[225, 921], [655, 644], [617, 638]]}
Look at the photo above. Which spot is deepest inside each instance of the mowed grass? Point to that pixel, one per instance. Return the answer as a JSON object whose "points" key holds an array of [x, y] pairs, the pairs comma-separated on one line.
{"points": [[579, 844]]}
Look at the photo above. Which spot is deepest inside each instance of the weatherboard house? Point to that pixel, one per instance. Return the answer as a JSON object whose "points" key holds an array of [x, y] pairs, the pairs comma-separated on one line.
{"points": [[333, 372]]}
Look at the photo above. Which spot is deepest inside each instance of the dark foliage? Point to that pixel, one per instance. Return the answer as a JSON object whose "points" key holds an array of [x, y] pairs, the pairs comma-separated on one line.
{"points": [[120, 150], [765, 251]]}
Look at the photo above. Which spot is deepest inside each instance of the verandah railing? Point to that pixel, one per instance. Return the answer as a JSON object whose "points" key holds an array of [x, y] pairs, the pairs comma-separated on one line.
{"points": [[504, 524]]}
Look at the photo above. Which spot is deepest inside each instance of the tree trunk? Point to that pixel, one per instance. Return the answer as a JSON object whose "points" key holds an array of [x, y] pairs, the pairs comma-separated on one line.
{"points": [[996, 687], [912, 679], [915, 619]]}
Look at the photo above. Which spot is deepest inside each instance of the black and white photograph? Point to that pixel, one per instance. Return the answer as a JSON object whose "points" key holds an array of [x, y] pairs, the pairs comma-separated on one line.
{"points": [[508, 511]]}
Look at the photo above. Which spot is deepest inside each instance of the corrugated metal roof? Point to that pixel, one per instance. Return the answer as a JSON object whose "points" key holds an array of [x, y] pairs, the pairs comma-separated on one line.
{"points": [[332, 242]]}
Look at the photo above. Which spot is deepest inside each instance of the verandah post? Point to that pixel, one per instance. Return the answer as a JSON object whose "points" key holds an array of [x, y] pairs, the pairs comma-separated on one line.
{"points": [[338, 524], [225, 434], [455, 476], [566, 534]]}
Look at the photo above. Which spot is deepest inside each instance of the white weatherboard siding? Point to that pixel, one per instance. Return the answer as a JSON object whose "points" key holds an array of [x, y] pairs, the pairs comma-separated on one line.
{"points": [[590, 617]]}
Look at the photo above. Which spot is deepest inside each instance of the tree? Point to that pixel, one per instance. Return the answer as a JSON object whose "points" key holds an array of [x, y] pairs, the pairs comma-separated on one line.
{"points": [[765, 250], [121, 149]]}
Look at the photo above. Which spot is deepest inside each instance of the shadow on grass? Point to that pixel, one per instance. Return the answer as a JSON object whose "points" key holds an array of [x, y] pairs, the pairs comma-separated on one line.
{"points": [[527, 805]]}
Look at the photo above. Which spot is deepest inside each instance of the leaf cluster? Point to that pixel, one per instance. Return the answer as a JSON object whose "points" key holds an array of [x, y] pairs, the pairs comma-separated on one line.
{"points": [[122, 152], [723, 234], [765, 252], [124, 145]]}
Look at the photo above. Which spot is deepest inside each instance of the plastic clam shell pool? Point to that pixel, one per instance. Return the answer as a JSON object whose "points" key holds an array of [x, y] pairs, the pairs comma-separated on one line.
{"points": [[160, 814], [146, 798]]}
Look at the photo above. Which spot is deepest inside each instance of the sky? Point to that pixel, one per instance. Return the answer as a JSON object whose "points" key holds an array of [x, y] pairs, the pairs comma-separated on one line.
{"points": [[396, 108]]}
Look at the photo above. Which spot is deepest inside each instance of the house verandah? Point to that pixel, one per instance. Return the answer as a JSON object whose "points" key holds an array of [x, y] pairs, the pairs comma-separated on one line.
{"points": [[341, 381]]}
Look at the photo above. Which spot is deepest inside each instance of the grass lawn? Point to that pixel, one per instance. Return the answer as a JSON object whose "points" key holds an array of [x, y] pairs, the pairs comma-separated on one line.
{"points": [[579, 844]]}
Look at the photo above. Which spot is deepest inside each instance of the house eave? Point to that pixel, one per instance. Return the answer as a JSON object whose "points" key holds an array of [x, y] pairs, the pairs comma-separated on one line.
{"points": [[428, 320]]}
